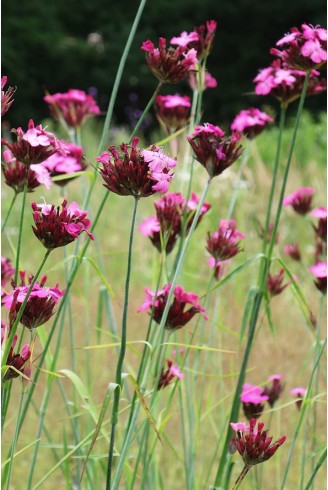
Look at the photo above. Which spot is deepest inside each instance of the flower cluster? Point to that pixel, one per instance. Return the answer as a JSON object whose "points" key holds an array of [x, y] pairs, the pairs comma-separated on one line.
{"points": [[34, 146], [293, 251], [252, 398], [59, 164], [201, 39], [299, 392], [173, 110], [174, 216], [74, 107], [179, 313], [55, 228], [304, 48], [16, 363], [40, 304], [321, 228], [274, 391], [275, 284], [6, 96], [167, 375], [251, 122], [135, 172], [169, 65], [300, 200], [319, 270], [254, 445], [16, 174], [215, 151]]}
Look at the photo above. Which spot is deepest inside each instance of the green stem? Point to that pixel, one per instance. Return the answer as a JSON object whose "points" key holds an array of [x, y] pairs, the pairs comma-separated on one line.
{"points": [[145, 112], [118, 379], [20, 232], [320, 461], [242, 475], [8, 213], [14, 441]]}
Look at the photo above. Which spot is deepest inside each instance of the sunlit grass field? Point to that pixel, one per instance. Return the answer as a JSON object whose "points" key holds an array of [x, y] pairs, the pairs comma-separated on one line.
{"points": [[283, 345]]}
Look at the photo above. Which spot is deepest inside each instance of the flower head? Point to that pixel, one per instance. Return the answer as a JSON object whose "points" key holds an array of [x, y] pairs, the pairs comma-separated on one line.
{"points": [[169, 65], [17, 362], [201, 39], [135, 172], [40, 304], [300, 200], [169, 374], [293, 251], [251, 122], [6, 96], [254, 445], [73, 106], [55, 228], [34, 146], [299, 392], [183, 308], [7, 273], [304, 48], [319, 270], [321, 228], [252, 398], [215, 151], [16, 174], [173, 110], [275, 283], [274, 391], [59, 164]]}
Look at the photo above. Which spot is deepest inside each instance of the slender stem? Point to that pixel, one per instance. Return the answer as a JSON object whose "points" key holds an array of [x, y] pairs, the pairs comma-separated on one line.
{"points": [[14, 441], [20, 232], [320, 461], [118, 379], [242, 475], [145, 112], [8, 213]]}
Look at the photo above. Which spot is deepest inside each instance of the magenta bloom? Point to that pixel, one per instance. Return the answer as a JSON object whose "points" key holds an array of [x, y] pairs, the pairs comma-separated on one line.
{"points": [[6, 96], [169, 65], [201, 39], [34, 146], [253, 444], [299, 393], [319, 270], [16, 173], [7, 273], [73, 106], [40, 304], [251, 122], [179, 312], [213, 150], [304, 49], [172, 211], [274, 391], [208, 82], [321, 228], [275, 283], [17, 361], [72, 162], [55, 228], [252, 398], [135, 172], [285, 84], [293, 251], [300, 200], [173, 110], [169, 374]]}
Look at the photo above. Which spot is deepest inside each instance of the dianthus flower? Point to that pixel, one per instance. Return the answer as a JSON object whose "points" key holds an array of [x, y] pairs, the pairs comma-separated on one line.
{"points": [[252, 398], [299, 393], [275, 283], [40, 304], [171, 211], [173, 110], [179, 313], [223, 244], [169, 374], [16, 173], [319, 270], [293, 251], [253, 444], [70, 163], [55, 228], [321, 228], [73, 106], [285, 84], [7, 273], [201, 39], [6, 96], [196, 84], [274, 391], [135, 172], [34, 146], [251, 122], [169, 65], [17, 361], [300, 200], [304, 49], [213, 150]]}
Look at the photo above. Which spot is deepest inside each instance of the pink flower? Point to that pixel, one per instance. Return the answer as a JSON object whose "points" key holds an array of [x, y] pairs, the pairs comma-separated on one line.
{"points": [[300, 200], [321, 228], [173, 110], [293, 251], [59, 164], [34, 146], [7, 272], [135, 172], [6, 96], [319, 270], [304, 49], [274, 283], [252, 398], [239, 426], [253, 445], [55, 228], [168, 375], [184, 39], [251, 122], [299, 393], [204, 44], [16, 173], [275, 390], [169, 65], [213, 150], [40, 304], [178, 316], [17, 361], [73, 106], [208, 82]]}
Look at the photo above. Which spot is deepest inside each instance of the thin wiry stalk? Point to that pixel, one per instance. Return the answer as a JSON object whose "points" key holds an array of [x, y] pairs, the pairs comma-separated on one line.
{"points": [[8, 212]]}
